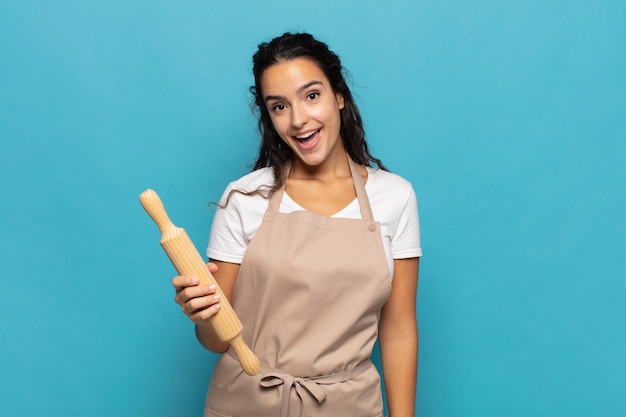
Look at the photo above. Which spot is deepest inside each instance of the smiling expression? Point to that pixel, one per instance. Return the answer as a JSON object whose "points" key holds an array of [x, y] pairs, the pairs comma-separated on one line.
{"points": [[304, 109]]}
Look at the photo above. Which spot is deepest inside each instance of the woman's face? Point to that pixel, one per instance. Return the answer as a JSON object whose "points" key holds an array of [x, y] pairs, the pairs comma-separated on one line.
{"points": [[304, 110]]}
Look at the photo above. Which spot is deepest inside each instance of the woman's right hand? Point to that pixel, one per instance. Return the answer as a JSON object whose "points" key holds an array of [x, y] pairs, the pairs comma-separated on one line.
{"points": [[198, 302]]}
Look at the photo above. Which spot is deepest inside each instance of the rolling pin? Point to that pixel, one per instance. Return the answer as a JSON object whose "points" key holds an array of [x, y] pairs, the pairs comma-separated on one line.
{"points": [[188, 262]]}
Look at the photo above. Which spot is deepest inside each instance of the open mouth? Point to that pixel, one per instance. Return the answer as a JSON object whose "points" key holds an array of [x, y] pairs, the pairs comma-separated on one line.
{"points": [[307, 136]]}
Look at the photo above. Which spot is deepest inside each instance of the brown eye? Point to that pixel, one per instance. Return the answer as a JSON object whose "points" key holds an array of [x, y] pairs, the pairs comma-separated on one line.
{"points": [[313, 96], [278, 107]]}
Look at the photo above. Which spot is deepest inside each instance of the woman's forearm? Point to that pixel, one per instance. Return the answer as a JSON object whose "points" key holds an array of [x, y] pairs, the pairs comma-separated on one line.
{"points": [[209, 339], [399, 359], [398, 339]]}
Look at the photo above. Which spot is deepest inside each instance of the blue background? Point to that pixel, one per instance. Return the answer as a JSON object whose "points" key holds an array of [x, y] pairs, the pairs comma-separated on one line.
{"points": [[509, 117]]}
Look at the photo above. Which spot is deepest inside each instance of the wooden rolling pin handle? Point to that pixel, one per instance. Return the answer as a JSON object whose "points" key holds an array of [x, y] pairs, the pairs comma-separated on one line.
{"points": [[248, 360], [154, 207]]}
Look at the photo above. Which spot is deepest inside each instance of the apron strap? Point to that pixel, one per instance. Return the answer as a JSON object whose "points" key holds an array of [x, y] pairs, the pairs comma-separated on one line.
{"points": [[359, 188], [312, 387], [361, 194], [306, 387]]}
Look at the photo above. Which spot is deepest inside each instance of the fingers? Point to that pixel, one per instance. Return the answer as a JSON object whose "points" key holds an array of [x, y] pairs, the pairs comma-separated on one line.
{"points": [[188, 288], [181, 282], [198, 302], [212, 267], [208, 308]]}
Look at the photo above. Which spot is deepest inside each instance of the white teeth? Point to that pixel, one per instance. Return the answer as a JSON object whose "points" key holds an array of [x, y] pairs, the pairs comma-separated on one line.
{"points": [[307, 135]]}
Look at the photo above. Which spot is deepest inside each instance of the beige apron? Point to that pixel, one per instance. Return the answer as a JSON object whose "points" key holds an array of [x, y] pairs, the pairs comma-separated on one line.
{"points": [[309, 294]]}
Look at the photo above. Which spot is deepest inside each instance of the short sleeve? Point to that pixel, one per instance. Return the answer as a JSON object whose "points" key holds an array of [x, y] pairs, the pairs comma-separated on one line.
{"points": [[239, 216], [227, 240], [405, 240]]}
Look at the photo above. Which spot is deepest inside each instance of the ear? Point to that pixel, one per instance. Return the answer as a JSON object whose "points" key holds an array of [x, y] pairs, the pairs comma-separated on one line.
{"points": [[340, 103]]}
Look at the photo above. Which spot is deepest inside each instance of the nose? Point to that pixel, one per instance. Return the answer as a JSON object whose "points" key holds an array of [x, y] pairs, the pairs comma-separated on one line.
{"points": [[299, 116]]}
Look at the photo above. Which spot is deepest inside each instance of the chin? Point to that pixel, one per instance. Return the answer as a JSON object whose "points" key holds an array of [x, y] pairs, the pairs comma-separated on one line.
{"points": [[312, 161]]}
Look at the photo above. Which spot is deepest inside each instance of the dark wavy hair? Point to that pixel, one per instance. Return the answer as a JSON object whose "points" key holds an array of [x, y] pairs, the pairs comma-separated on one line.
{"points": [[273, 151]]}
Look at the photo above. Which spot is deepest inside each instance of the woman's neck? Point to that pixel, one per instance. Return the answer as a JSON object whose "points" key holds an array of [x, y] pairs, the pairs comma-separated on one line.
{"points": [[335, 166]]}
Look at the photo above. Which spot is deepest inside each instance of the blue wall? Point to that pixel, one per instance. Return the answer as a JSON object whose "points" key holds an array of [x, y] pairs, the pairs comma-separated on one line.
{"points": [[509, 117]]}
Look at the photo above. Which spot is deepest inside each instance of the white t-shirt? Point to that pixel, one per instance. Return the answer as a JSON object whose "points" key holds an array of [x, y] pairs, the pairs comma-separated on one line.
{"points": [[392, 199]]}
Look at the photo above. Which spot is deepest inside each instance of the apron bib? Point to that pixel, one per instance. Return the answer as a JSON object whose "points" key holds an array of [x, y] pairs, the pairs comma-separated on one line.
{"points": [[309, 294]]}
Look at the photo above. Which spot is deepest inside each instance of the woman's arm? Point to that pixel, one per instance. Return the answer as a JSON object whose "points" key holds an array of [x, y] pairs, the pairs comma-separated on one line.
{"points": [[398, 339], [200, 302]]}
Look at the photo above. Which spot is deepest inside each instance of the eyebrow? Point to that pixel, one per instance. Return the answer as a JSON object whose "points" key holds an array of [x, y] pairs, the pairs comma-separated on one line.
{"points": [[298, 91]]}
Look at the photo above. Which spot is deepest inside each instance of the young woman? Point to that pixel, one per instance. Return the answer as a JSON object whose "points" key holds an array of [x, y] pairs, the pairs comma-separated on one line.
{"points": [[318, 251]]}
